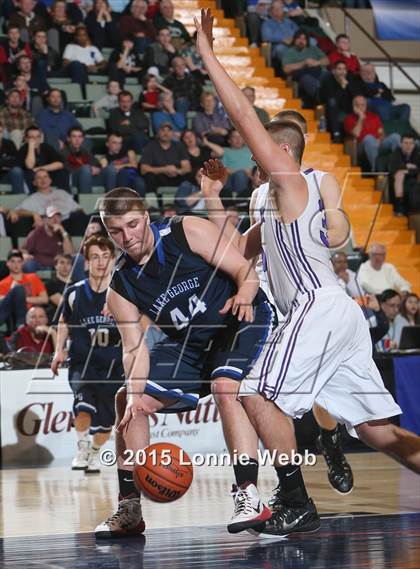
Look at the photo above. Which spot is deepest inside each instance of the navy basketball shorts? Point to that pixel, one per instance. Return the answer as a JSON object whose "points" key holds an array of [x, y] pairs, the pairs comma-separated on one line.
{"points": [[184, 374], [94, 393]]}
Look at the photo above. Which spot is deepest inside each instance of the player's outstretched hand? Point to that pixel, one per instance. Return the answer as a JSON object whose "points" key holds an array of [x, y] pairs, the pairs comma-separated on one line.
{"points": [[240, 307], [58, 361], [215, 170], [204, 31], [136, 405]]}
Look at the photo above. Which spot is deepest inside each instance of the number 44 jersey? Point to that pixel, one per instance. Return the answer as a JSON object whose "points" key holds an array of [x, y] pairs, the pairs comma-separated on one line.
{"points": [[95, 340], [176, 288]]}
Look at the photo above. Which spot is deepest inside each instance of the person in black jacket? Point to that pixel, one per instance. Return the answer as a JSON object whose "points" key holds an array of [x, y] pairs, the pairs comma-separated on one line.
{"points": [[379, 96], [129, 122], [404, 174], [337, 92]]}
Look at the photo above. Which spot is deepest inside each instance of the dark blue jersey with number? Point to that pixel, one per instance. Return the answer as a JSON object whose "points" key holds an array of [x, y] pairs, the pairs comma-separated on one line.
{"points": [[95, 340], [176, 288]]}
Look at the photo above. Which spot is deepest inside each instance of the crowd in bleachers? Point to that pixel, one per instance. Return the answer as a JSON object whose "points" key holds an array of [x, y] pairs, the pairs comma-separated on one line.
{"points": [[92, 99]]}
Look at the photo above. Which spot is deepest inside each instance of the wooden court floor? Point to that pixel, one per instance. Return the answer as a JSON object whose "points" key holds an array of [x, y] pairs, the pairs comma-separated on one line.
{"points": [[48, 516]]}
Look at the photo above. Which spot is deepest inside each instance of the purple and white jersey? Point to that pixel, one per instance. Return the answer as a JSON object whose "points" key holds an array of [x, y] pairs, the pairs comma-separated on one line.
{"points": [[296, 256]]}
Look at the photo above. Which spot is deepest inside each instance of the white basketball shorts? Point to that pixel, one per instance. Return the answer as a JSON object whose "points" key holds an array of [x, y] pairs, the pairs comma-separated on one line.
{"points": [[323, 352]]}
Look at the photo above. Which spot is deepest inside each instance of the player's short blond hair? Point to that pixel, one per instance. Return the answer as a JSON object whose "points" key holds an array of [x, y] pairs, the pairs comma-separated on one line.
{"points": [[288, 132], [293, 116]]}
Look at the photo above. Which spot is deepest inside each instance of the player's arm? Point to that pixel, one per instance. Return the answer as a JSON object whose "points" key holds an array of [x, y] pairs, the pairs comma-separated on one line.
{"points": [[267, 153], [60, 344], [221, 254], [212, 180], [337, 222], [136, 360]]}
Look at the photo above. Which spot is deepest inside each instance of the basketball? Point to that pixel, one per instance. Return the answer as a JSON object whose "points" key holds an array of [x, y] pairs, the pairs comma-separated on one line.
{"points": [[163, 472]]}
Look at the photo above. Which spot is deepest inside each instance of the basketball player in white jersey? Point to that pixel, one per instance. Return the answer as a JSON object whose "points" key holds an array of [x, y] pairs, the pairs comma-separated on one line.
{"points": [[328, 442], [323, 351]]}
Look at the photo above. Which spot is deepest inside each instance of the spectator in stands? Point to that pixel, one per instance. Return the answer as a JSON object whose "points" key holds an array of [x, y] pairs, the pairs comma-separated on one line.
{"points": [[36, 82], [167, 113], [56, 285], [185, 88], [36, 155], [343, 53], [404, 170], [120, 166], [12, 294], [137, 26], [104, 106], [380, 98], [188, 197], [257, 12], [164, 162], [337, 92], [10, 51], [101, 25], [306, 64], [14, 118], [149, 98], [35, 336], [84, 168], [80, 57], [375, 275], [46, 59], [249, 93], [35, 206], [34, 292], [199, 153], [165, 19], [390, 302], [194, 61], [347, 278], [62, 25], [161, 52], [54, 121], [410, 310], [26, 19], [211, 122], [279, 31], [8, 155], [237, 160], [45, 242], [125, 61], [130, 122], [367, 129]]}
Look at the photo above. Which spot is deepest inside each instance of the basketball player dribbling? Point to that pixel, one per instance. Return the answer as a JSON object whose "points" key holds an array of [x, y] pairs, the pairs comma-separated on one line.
{"points": [[199, 290], [323, 351]]}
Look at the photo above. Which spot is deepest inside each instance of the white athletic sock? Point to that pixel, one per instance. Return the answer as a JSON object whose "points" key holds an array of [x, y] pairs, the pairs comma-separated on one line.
{"points": [[83, 435]]}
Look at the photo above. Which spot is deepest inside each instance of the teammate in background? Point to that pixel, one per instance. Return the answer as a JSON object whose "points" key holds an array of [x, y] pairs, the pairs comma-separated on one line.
{"points": [[328, 442], [95, 372], [323, 350], [203, 295]]}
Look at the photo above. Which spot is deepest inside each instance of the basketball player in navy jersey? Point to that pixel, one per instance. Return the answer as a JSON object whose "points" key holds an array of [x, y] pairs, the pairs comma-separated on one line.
{"points": [[329, 442], [323, 351], [95, 372], [184, 276]]}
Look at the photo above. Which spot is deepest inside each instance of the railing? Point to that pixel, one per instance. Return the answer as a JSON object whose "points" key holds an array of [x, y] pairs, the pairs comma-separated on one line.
{"points": [[391, 61]]}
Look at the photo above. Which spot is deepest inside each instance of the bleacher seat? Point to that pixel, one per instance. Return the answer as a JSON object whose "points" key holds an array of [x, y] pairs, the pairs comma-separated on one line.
{"points": [[135, 90], [88, 202], [5, 188], [167, 193], [98, 79], [152, 200], [73, 93], [88, 123], [5, 246], [10, 201], [58, 81], [77, 240], [95, 92]]}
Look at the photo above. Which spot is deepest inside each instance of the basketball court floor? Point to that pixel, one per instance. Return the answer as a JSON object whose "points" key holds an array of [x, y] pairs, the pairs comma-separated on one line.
{"points": [[48, 516]]}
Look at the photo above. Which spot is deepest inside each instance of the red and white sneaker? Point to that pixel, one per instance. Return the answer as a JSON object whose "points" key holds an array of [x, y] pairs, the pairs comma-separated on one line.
{"points": [[127, 521], [249, 511]]}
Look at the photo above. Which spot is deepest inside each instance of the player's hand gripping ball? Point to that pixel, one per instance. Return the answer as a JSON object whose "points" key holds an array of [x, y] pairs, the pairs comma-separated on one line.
{"points": [[163, 472]]}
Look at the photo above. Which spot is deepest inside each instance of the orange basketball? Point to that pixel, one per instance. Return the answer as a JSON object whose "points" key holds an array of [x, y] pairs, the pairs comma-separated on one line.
{"points": [[163, 472]]}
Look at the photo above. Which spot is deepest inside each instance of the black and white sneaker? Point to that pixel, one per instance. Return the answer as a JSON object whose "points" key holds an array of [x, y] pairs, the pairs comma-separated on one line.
{"points": [[292, 519], [249, 510], [277, 499], [340, 474]]}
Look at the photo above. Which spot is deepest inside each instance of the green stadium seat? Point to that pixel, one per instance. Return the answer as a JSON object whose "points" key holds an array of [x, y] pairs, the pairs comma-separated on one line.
{"points": [[98, 79], [95, 92], [167, 193], [106, 52], [45, 274], [152, 200], [131, 81], [73, 93], [77, 240], [5, 188], [58, 81], [10, 201], [190, 118], [98, 189], [135, 90], [88, 202], [88, 123], [5, 246]]}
